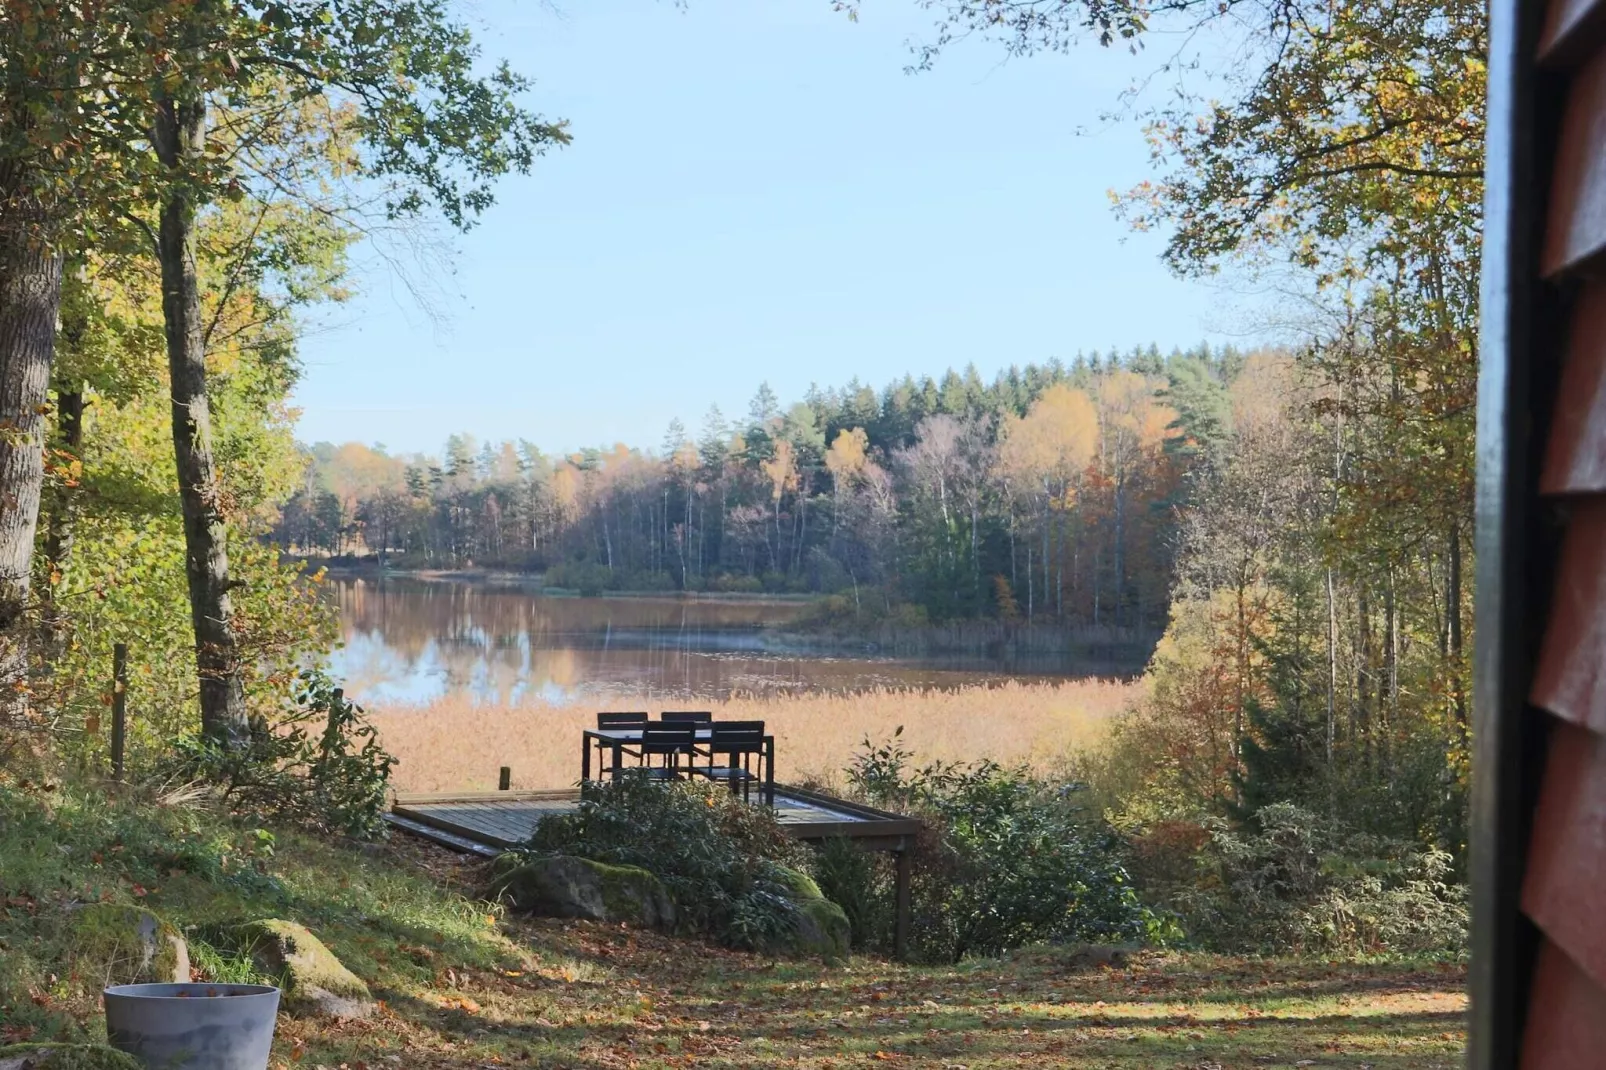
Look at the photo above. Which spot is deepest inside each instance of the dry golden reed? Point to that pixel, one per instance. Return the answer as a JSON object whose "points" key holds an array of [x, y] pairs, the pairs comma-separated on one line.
{"points": [[456, 744]]}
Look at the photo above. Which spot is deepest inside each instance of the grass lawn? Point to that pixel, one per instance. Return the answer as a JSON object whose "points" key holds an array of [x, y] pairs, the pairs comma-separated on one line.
{"points": [[588, 996], [464, 986]]}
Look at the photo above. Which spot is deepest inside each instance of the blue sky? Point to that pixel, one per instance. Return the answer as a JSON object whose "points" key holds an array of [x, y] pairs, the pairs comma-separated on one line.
{"points": [[757, 191]]}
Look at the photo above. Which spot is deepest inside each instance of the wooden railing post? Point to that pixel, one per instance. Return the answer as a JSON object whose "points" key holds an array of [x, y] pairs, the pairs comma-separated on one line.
{"points": [[119, 707], [901, 917]]}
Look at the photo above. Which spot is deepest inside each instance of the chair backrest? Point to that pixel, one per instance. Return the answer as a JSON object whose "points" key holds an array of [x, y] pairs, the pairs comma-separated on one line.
{"points": [[686, 717], [664, 738], [622, 720], [736, 737]]}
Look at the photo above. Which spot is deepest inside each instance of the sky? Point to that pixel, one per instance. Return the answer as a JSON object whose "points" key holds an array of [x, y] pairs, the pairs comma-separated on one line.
{"points": [[756, 191]]}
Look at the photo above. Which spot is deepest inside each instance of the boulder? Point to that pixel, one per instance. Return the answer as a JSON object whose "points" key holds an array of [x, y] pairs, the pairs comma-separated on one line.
{"points": [[65, 1057], [1088, 956], [564, 886], [822, 926], [822, 929], [314, 981], [799, 885], [120, 944]]}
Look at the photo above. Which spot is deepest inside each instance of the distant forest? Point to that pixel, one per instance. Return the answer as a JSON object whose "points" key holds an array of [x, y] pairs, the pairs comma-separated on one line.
{"points": [[1053, 493]]}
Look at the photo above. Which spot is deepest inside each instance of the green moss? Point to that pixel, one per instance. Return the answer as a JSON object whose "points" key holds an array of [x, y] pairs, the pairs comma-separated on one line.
{"points": [[799, 885], [65, 1057], [627, 890], [125, 944], [567, 886], [822, 929], [302, 963]]}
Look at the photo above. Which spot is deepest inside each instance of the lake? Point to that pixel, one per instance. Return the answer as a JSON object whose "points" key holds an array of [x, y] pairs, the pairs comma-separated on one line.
{"points": [[416, 641]]}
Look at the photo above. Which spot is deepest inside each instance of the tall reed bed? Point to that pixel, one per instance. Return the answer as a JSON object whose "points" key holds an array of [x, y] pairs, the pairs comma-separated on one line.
{"points": [[455, 744]]}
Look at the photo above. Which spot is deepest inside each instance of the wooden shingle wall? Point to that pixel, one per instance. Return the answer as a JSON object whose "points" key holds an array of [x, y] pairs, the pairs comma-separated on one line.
{"points": [[1563, 885]]}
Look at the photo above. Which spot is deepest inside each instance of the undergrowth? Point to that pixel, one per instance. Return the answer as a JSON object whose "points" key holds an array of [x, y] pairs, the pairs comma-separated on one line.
{"points": [[721, 859], [65, 844]]}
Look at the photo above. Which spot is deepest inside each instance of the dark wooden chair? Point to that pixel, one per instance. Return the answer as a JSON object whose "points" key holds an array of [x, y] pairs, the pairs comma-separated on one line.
{"points": [[619, 752], [622, 720], [734, 747], [700, 718], [686, 717], [668, 743]]}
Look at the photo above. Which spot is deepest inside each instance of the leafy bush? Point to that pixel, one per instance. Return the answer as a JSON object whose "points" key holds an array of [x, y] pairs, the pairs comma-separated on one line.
{"points": [[1291, 881], [722, 860], [320, 765], [125, 581], [1007, 859], [730, 583], [860, 882], [586, 577]]}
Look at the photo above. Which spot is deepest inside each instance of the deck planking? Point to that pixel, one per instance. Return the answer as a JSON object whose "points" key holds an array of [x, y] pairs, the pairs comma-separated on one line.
{"points": [[503, 820]]}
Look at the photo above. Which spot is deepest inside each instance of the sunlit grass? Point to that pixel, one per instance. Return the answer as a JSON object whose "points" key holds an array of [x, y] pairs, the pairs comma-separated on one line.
{"points": [[656, 1003], [455, 743], [463, 984]]}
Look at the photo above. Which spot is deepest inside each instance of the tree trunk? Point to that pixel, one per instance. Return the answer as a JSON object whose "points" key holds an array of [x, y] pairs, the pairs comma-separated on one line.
{"points": [[975, 559], [180, 135], [1452, 598], [62, 518], [1365, 667], [802, 502], [1332, 669], [1031, 578], [1120, 538], [30, 300]]}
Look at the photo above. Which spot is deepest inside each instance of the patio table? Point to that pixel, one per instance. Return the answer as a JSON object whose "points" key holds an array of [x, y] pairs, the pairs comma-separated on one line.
{"points": [[617, 739]]}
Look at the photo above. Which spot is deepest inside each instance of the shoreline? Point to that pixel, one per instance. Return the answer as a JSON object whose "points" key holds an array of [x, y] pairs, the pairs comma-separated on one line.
{"points": [[534, 581], [1083, 650]]}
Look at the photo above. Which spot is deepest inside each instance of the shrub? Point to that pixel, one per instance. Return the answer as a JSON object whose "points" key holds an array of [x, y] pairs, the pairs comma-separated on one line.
{"points": [[1006, 859], [728, 583], [859, 883], [335, 780], [587, 577], [1292, 881], [723, 860]]}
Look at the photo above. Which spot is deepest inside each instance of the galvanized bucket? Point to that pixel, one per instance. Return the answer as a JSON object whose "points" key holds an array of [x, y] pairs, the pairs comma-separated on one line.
{"points": [[194, 1026]]}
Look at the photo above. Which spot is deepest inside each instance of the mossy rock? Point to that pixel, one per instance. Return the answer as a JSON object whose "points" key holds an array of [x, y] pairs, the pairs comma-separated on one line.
{"points": [[65, 1057], [799, 885], [565, 886], [315, 982], [822, 929], [1092, 956], [822, 926], [118, 944]]}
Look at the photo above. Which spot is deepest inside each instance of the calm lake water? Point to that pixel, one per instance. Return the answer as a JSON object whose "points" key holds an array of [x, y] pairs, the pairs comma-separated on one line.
{"points": [[415, 641]]}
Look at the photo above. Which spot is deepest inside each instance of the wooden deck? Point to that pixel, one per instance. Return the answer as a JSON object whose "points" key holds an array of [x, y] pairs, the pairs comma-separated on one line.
{"points": [[494, 821], [490, 822]]}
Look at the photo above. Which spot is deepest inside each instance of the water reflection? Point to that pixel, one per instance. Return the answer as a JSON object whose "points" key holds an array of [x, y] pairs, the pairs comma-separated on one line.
{"points": [[417, 641]]}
